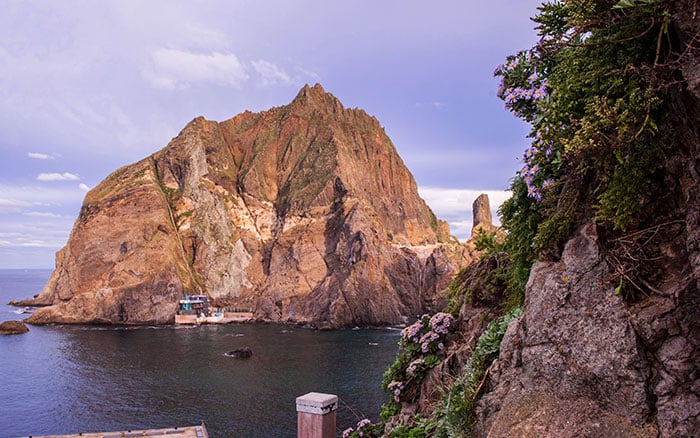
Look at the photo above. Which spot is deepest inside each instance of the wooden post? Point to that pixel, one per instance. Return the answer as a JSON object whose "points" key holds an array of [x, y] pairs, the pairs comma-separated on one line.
{"points": [[316, 415]]}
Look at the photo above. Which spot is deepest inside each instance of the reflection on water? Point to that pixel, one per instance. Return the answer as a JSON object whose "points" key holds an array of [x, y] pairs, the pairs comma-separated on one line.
{"points": [[62, 379]]}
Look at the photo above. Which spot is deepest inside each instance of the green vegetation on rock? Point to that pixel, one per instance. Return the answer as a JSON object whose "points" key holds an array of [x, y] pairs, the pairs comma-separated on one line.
{"points": [[593, 89]]}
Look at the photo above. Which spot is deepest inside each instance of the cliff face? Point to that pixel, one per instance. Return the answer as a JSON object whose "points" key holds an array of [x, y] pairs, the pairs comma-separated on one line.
{"points": [[587, 357], [303, 213], [585, 360]]}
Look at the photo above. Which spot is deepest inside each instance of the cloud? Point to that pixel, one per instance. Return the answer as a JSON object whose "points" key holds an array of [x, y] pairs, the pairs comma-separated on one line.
{"points": [[57, 177], [42, 214], [459, 201], [39, 195], [455, 206], [176, 69], [306, 73], [27, 241], [84, 187], [12, 205], [270, 73], [40, 156]]}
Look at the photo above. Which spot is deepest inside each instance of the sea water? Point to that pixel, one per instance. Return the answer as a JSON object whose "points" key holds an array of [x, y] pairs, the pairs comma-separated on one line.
{"points": [[61, 379]]}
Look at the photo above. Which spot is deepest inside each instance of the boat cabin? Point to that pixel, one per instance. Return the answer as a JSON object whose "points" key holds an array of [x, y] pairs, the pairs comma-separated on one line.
{"points": [[194, 305]]}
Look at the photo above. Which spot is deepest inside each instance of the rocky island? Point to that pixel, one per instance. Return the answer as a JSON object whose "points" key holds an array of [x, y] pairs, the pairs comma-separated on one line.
{"points": [[304, 213]]}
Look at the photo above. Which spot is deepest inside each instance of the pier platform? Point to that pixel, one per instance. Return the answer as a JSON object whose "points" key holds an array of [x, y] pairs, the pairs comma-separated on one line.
{"points": [[225, 318], [172, 432]]}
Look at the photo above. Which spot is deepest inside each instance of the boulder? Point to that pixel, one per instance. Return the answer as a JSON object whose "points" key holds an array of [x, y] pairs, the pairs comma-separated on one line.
{"points": [[13, 328]]}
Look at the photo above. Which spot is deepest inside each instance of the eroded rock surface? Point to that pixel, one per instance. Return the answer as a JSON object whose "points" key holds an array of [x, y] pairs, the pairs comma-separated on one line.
{"points": [[304, 213], [571, 364]]}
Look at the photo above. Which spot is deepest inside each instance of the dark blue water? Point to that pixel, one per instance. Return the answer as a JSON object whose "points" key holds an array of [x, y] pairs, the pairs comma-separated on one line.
{"points": [[69, 379]]}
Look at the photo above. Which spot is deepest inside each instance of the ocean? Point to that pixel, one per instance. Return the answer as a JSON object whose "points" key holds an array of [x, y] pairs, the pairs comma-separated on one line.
{"points": [[69, 379]]}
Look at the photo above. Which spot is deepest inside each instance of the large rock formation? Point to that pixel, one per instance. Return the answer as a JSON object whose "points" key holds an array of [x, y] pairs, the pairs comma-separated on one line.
{"points": [[303, 213]]}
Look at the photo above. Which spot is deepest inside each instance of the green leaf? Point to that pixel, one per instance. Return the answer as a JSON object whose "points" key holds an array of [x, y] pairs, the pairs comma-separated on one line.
{"points": [[623, 4]]}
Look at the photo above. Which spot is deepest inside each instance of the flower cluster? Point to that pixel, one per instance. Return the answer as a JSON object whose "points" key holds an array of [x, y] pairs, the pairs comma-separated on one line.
{"points": [[410, 333], [525, 90], [414, 366], [427, 340], [523, 86], [536, 91], [428, 331], [541, 151], [363, 428], [423, 341], [440, 322], [396, 387]]}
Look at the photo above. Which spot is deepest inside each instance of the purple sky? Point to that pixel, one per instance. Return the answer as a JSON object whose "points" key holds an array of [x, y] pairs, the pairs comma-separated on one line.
{"points": [[87, 87]]}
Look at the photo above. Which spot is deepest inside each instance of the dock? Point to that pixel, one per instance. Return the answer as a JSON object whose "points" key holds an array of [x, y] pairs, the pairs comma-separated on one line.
{"points": [[225, 318], [172, 432], [194, 309]]}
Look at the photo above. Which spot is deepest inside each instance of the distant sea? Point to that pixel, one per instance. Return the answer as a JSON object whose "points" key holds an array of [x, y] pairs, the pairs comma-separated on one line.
{"points": [[70, 379]]}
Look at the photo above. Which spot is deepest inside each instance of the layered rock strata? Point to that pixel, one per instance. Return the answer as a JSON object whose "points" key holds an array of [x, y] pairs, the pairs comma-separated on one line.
{"points": [[304, 213]]}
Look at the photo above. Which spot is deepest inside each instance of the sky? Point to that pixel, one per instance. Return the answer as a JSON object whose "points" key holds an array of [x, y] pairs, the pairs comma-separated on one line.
{"points": [[87, 87]]}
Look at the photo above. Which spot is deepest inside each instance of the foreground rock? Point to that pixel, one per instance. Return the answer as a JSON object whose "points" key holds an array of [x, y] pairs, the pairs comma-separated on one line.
{"points": [[13, 328], [572, 364], [304, 213]]}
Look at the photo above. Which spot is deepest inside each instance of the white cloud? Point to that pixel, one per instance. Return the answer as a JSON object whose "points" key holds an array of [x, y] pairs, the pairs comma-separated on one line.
{"points": [[38, 217], [40, 156], [455, 206], [12, 205], [174, 69], [309, 74], [29, 242], [57, 177], [40, 195], [84, 187], [204, 36], [42, 214], [459, 201], [270, 73]]}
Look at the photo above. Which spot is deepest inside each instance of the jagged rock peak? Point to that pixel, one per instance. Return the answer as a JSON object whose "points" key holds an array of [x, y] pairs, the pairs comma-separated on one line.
{"points": [[317, 97]]}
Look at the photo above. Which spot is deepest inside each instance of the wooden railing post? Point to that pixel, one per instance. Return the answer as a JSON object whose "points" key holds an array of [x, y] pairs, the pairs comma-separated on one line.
{"points": [[316, 415]]}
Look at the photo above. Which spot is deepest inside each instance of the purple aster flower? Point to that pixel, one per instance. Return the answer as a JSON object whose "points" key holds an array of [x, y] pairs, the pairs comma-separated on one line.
{"points": [[363, 423]]}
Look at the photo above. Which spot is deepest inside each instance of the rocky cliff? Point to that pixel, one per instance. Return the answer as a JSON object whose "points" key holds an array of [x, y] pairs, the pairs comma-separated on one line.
{"points": [[304, 213], [605, 340]]}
